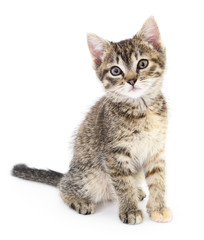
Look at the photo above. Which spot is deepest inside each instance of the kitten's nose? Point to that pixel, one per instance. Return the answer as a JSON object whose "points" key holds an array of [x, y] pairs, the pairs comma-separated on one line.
{"points": [[132, 81]]}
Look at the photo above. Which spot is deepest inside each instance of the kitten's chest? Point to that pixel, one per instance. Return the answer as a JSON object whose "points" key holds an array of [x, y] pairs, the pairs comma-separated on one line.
{"points": [[147, 138]]}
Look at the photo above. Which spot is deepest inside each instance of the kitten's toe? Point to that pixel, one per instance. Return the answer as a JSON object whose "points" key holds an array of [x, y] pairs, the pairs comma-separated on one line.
{"points": [[165, 215], [131, 217], [88, 208], [142, 194], [83, 207]]}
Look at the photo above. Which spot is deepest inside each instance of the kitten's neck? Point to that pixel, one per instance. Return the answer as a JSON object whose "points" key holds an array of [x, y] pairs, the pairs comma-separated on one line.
{"points": [[136, 108], [142, 104]]}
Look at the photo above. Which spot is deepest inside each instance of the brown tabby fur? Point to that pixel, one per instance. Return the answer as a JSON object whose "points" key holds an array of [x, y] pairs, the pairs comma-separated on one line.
{"points": [[121, 137]]}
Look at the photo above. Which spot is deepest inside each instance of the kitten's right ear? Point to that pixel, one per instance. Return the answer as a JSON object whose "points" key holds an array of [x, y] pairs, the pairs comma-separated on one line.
{"points": [[97, 47]]}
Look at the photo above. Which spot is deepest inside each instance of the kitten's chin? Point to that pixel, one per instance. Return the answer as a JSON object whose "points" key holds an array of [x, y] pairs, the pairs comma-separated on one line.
{"points": [[132, 93], [131, 97]]}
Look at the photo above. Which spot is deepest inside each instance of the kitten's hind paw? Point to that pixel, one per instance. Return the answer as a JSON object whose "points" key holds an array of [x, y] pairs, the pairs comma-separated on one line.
{"points": [[165, 215], [142, 194], [83, 207], [131, 217]]}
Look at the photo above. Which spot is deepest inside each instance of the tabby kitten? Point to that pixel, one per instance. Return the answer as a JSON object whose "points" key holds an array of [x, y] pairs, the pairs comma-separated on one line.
{"points": [[122, 136]]}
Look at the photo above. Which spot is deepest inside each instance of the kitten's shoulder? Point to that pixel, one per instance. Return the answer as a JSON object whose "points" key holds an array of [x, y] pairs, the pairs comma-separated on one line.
{"points": [[159, 106], [96, 111]]}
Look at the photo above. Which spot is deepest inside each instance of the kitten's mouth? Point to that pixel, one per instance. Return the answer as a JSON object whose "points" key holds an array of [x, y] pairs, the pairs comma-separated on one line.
{"points": [[134, 89]]}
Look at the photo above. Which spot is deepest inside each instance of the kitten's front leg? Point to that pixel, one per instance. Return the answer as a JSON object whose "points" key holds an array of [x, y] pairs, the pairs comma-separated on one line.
{"points": [[126, 190], [155, 177]]}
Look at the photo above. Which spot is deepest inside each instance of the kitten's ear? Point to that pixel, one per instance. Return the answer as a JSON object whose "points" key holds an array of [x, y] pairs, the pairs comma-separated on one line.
{"points": [[97, 47], [150, 33]]}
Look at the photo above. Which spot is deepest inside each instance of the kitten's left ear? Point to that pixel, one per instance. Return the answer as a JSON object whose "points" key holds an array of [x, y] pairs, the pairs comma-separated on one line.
{"points": [[97, 47], [150, 33]]}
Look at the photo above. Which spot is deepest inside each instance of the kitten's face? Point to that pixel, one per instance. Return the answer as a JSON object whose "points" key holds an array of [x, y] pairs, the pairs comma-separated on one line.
{"points": [[131, 68]]}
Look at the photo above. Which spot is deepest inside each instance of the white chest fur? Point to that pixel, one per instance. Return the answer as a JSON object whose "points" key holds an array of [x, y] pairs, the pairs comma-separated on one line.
{"points": [[149, 140]]}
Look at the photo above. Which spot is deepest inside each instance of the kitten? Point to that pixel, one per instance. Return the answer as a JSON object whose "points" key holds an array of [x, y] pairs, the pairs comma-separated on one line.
{"points": [[122, 135]]}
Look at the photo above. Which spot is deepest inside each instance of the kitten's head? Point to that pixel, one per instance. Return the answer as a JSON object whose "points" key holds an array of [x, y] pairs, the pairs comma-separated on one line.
{"points": [[131, 68]]}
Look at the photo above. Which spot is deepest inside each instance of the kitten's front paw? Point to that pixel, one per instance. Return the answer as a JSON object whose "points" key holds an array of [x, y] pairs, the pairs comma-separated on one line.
{"points": [[162, 216], [131, 217]]}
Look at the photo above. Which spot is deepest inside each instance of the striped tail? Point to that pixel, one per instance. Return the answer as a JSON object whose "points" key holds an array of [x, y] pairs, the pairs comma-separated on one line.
{"points": [[38, 175]]}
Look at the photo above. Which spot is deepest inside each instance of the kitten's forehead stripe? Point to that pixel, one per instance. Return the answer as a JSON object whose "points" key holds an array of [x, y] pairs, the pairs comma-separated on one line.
{"points": [[124, 49], [136, 55]]}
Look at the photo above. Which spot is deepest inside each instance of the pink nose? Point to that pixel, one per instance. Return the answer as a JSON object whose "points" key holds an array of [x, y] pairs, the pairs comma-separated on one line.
{"points": [[132, 81]]}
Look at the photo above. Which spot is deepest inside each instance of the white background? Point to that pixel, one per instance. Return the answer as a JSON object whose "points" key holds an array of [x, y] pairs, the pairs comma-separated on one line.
{"points": [[47, 85]]}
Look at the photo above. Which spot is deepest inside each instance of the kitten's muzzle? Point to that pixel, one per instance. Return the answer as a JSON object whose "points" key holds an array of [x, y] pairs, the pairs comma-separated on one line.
{"points": [[132, 81]]}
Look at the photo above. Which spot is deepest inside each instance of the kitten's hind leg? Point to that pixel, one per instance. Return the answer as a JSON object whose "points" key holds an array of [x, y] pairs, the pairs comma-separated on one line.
{"points": [[74, 196]]}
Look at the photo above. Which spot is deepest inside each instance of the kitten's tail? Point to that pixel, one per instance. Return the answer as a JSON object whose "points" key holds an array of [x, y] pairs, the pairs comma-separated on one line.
{"points": [[38, 175]]}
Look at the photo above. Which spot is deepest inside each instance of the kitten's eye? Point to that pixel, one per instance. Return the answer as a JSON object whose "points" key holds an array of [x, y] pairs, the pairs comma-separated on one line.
{"points": [[115, 71], [143, 63]]}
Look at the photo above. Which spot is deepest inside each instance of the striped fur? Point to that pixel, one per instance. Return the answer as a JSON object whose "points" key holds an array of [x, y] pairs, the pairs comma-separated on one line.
{"points": [[123, 135]]}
